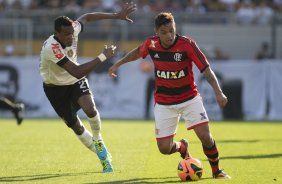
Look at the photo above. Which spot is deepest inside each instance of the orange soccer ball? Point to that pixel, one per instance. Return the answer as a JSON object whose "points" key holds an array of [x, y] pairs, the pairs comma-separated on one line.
{"points": [[190, 169]]}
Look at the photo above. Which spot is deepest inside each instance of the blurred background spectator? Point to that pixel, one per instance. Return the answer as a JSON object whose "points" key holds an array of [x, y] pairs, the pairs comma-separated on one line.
{"points": [[243, 6], [9, 50], [263, 13], [264, 52], [246, 13], [220, 54]]}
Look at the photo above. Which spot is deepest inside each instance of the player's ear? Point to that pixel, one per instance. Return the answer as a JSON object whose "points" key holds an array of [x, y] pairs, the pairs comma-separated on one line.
{"points": [[156, 31]]}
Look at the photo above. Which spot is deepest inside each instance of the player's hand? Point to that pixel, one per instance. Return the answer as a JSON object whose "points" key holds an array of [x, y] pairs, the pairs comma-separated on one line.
{"points": [[112, 71], [221, 100], [126, 10], [109, 51]]}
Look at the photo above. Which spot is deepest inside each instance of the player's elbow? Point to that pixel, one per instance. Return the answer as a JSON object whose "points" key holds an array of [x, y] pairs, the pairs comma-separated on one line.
{"points": [[84, 18], [77, 74]]}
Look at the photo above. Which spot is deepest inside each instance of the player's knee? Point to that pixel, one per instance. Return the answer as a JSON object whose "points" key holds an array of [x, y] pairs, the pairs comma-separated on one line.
{"points": [[164, 150], [90, 112], [77, 128]]}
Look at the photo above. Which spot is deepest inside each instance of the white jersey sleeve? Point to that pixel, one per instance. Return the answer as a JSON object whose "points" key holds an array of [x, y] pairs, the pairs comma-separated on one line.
{"points": [[55, 53], [77, 27]]}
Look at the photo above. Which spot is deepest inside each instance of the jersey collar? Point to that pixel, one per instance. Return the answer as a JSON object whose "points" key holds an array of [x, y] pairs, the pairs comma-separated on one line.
{"points": [[176, 38], [57, 39]]}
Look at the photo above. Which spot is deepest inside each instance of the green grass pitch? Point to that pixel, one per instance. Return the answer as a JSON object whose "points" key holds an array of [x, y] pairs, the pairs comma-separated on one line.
{"points": [[46, 151]]}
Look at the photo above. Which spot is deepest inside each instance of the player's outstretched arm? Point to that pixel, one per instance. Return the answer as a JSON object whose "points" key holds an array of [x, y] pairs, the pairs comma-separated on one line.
{"points": [[82, 70], [131, 56], [212, 80], [121, 15]]}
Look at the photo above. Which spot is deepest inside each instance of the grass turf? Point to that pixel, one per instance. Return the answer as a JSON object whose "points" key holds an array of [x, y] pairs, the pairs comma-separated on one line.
{"points": [[46, 151]]}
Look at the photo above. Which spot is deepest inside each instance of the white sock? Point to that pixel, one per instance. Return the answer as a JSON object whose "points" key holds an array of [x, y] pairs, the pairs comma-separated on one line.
{"points": [[95, 124], [87, 139]]}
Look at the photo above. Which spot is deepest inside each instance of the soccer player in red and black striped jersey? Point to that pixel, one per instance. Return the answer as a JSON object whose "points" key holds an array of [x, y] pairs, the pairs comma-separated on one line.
{"points": [[176, 93]]}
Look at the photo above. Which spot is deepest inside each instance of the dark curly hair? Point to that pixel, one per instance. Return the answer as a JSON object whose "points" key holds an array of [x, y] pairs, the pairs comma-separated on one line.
{"points": [[62, 21]]}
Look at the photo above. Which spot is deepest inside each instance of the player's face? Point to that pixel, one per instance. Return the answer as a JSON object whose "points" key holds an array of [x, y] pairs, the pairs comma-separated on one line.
{"points": [[166, 34], [65, 35]]}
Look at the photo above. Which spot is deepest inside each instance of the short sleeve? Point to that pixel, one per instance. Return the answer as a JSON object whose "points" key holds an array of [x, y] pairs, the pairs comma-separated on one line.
{"points": [[143, 49], [55, 54], [197, 56]]}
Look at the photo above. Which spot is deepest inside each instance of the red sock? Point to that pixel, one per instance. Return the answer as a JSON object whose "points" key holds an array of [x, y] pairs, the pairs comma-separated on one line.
{"points": [[212, 155]]}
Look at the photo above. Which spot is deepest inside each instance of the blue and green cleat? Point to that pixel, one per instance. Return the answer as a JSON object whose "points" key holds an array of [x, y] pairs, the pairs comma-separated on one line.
{"points": [[107, 166], [104, 156]]}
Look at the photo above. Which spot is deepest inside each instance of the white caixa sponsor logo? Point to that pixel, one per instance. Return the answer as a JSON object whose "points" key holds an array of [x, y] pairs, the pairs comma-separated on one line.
{"points": [[171, 74]]}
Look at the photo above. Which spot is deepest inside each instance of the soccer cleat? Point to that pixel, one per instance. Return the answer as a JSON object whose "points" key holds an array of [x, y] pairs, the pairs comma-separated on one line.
{"points": [[101, 150], [221, 175], [104, 156], [107, 166], [184, 149], [19, 110]]}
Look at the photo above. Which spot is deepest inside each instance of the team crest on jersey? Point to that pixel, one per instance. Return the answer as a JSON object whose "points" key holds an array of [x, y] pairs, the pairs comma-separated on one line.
{"points": [[153, 44], [70, 53], [177, 56], [164, 74]]}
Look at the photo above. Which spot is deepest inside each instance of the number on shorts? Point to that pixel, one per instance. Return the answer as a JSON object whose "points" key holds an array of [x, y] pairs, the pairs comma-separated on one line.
{"points": [[83, 84]]}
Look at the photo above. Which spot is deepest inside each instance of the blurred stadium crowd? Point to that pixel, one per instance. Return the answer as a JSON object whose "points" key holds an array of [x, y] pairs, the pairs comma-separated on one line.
{"points": [[189, 6], [248, 11], [261, 13]]}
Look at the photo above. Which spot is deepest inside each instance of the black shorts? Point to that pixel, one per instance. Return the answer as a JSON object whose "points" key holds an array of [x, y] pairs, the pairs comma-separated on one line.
{"points": [[64, 99]]}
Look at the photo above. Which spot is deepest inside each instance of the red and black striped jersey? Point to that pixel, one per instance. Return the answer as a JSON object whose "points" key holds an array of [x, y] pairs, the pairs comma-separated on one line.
{"points": [[173, 68]]}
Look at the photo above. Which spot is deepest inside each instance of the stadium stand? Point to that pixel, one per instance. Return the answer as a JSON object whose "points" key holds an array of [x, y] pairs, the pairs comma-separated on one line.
{"points": [[34, 20]]}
